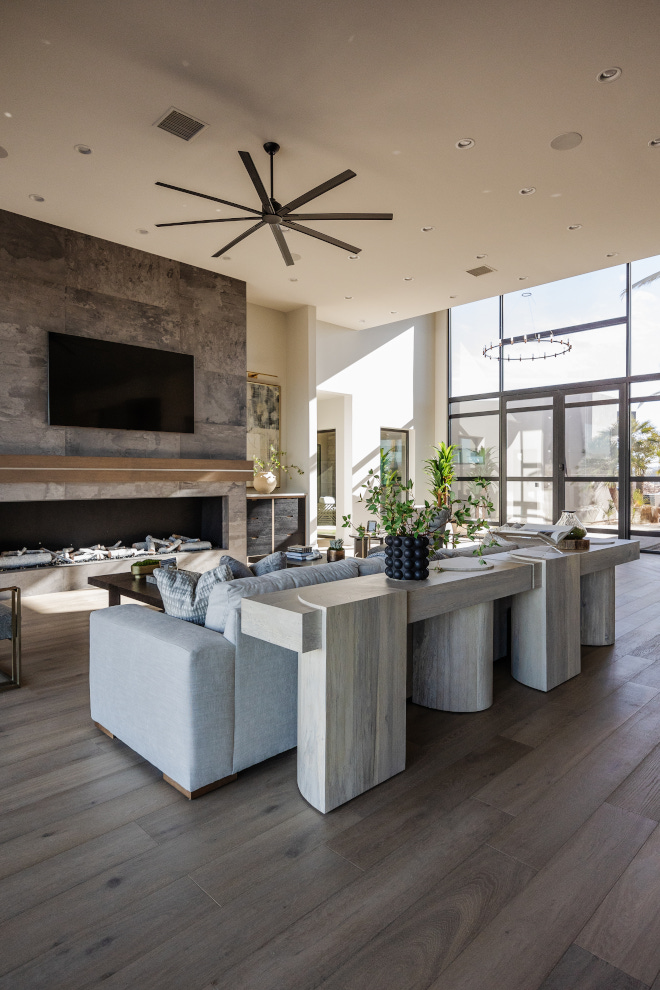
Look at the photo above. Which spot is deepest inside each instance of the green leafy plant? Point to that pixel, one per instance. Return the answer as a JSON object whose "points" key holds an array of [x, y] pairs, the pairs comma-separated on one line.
{"points": [[469, 514], [336, 544], [440, 469], [360, 531], [275, 462]]}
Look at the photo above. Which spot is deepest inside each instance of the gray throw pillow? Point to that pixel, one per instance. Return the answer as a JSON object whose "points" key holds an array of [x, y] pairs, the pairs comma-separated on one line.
{"points": [[238, 569], [185, 594], [273, 562]]}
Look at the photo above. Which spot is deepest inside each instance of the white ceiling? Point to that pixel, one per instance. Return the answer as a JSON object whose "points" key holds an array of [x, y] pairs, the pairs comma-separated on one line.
{"points": [[383, 88]]}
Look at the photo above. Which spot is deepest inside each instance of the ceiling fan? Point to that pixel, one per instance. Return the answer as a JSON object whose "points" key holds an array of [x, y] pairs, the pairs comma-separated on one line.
{"points": [[274, 214]]}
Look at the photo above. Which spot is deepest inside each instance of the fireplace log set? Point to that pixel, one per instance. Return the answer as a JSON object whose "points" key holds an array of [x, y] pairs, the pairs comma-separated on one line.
{"points": [[13, 559]]}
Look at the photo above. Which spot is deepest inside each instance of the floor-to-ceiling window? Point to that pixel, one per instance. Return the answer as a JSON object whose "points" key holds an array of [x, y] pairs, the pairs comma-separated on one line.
{"points": [[555, 396]]}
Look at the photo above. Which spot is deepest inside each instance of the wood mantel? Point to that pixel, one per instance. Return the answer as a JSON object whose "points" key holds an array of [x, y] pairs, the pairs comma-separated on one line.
{"points": [[40, 468]]}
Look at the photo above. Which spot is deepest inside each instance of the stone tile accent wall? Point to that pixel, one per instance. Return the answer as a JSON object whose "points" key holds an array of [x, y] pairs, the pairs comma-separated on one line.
{"points": [[57, 279]]}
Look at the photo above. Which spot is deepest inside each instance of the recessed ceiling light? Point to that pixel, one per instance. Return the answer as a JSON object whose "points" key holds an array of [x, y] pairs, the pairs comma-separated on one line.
{"points": [[408, 278], [4, 153], [484, 191], [141, 230], [527, 191], [555, 195], [654, 143], [526, 293], [44, 41], [354, 257], [7, 114], [348, 297], [425, 230], [185, 63], [362, 321], [574, 226], [83, 149], [396, 152], [567, 141], [609, 75], [296, 257], [480, 257], [523, 278], [612, 254], [36, 197], [393, 311], [452, 297], [226, 257], [465, 143], [293, 280], [218, 210]]}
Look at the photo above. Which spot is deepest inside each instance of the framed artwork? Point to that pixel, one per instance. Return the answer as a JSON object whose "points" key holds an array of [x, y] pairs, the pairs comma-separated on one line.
{"points": [[263, 420]]}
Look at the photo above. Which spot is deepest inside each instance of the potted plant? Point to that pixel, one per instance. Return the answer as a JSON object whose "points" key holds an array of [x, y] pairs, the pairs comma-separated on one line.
{"points": [[336, 550], [406, 525], [467, 515], [265, 479]]}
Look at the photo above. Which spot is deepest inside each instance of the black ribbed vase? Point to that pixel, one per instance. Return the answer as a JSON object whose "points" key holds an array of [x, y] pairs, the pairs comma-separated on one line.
{"points": [[407, 557]]}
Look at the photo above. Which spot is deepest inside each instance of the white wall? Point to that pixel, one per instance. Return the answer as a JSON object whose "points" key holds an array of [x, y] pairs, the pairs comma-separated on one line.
{"points": [[389, 373], [354, 382]]}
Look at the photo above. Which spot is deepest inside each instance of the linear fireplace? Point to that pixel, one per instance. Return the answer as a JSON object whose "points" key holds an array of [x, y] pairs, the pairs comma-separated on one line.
{"points": [[87, 522]]}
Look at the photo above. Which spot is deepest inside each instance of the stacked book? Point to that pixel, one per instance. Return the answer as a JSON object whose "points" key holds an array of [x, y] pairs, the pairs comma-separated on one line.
{"points": [[299, 552]]}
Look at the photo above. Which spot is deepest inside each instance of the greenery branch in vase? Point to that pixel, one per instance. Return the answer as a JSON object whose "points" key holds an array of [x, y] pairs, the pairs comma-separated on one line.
{"points": [[265, 479]]}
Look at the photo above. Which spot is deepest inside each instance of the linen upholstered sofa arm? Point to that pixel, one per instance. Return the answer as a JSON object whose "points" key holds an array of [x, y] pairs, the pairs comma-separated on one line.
{"points": [[165, 688]]}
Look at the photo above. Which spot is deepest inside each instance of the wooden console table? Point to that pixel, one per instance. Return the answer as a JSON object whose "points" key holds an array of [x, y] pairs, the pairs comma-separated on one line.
{"points": [[573, 605], [350, 637]]}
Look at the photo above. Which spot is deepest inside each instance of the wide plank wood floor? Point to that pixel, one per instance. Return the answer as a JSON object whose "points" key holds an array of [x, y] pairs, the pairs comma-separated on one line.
{"points": [[519, 850]]}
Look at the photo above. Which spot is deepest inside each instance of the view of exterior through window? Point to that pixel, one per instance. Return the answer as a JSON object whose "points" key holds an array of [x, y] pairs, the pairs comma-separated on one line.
{"points": [[394, 452], [580, 430]]}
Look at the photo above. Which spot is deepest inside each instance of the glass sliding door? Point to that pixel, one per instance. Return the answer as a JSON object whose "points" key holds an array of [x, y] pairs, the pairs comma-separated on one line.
{"points": [[474, 427], [529, 492], [592, 441], [645, 457]]}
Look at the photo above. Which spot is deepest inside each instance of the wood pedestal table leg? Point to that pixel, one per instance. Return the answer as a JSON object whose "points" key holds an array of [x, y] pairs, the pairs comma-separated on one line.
{"points": [[352, 693], [597, 608], [545, 626], [453, 660], [114, 598]]}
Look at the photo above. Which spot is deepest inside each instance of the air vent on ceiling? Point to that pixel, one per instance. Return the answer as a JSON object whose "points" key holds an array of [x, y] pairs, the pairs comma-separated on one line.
{"points": [[481, 270], [180, 124]]}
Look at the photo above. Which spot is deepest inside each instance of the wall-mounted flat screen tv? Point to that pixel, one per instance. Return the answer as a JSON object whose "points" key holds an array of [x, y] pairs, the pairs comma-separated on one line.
{"points": [[109, 386]]}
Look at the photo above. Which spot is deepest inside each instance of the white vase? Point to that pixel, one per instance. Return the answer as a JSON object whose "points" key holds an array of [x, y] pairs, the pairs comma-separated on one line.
{"points": [[265, 482]]}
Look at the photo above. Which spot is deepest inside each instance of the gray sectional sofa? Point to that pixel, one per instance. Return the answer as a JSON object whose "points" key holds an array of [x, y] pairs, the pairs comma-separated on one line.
{"points": [[199, 702]]}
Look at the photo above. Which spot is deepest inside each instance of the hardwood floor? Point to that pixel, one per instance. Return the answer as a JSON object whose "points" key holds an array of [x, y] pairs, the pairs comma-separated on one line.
{"points": [[518, 851]]}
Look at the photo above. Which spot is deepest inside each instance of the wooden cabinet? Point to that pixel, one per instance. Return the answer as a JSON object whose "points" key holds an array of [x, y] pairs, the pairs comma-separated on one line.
{"points": [[274, 522]]}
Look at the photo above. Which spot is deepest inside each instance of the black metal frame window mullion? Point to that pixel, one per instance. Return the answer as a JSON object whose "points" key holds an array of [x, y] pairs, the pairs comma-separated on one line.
{"points": [[559, 396]]}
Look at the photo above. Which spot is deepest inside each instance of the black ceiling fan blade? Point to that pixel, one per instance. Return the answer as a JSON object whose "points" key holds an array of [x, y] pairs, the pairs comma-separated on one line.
{"points": [[281, 243], [317, 191], [189, 223], [340, 216], [251, 169], [214, 199], [322, 237], [241, 237]]}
